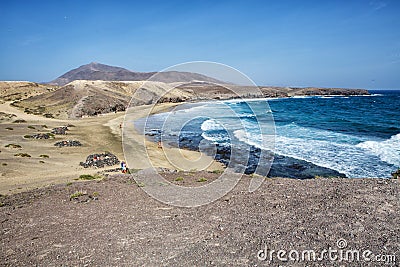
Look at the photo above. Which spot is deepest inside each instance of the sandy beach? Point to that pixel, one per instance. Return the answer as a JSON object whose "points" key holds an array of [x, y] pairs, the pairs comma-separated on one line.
{"points": [[97, 134]]}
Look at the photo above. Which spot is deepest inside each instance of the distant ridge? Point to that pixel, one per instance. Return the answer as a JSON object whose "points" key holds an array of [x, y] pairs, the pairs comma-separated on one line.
{"points": [[98, 71]]}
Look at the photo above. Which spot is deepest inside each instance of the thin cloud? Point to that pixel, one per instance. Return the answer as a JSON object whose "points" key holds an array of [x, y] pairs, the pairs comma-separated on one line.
{"points": [[31, 40], [376, 5]]}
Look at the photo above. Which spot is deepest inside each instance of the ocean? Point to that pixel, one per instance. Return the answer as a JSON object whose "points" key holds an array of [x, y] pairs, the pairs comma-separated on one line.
{"points": [[354, 137]]}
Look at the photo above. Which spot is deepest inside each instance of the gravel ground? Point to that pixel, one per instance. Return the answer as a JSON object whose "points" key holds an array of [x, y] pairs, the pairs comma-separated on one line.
{"points": [[115, 223]]}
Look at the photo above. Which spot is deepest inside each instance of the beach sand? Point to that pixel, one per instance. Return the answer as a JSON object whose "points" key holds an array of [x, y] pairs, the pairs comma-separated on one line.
{"points": [[97, 134]]}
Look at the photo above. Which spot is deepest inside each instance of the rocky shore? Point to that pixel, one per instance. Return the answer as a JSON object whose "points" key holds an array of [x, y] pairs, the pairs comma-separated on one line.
{"points": [[282, 166]]}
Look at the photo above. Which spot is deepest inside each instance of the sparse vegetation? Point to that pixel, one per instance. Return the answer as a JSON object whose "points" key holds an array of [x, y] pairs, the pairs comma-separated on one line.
{"points": [[131, 171], [31, 127], [44, 156], [202, 180], [9, 128], [77, 194], [217, 171], [19, 121], [4, 164], [44, 126], [13, 146], [178, 179], [48, 115], [41, 161], [68, 184], [23, 155], [255, 175], [396, 174], [89, 177], [28, 136], [140, 184], [2, 204]]}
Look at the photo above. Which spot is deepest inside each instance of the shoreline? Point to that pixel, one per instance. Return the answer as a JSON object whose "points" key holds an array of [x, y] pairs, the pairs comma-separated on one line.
{"points": [[283, 161], [140, 144], [282, 166], [21, 174]]}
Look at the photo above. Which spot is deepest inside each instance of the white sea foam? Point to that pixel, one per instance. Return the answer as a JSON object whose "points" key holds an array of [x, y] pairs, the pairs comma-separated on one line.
{"points": [[211, 125], [336, 151], [302, 96], [387, 150], [216, 138], [248, 138]]}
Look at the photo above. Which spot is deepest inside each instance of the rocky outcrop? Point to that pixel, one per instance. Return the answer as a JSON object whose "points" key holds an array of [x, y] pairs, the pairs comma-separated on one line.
{"points": [[67, 143], [60, 130], [310, 91], [100, 160]]}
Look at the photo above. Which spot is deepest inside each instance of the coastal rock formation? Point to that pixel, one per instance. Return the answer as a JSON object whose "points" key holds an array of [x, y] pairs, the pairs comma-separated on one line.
{"points": [[311, 91]]}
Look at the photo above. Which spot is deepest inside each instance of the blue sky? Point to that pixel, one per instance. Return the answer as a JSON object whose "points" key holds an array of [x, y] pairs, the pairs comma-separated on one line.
{"points": [[292, 43]]}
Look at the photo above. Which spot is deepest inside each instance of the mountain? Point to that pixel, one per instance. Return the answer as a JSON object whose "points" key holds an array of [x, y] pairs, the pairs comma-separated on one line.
{"points": [[96, 88], [98, 71], [89, 98]]}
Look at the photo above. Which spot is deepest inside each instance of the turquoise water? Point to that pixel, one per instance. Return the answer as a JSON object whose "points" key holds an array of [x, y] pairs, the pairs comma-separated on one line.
{"points": [[358, 136]]}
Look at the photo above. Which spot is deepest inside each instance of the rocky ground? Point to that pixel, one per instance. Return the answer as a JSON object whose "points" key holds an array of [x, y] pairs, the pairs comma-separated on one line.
{"points": [[113, 222]]}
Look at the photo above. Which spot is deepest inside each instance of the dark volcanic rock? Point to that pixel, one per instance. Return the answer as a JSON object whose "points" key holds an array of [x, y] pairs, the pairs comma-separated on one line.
{"points": [[40, 136], [60, 130], [68, 143], [281, 166], [396, 174], [100, 160]]}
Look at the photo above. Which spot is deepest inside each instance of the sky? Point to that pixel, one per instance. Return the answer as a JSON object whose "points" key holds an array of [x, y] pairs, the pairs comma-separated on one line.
{"points": [[353, 44]]}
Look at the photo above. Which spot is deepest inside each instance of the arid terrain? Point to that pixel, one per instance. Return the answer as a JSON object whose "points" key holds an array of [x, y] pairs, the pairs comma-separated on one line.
{"points": [[51, 216], [95, 88], [115, 223]]}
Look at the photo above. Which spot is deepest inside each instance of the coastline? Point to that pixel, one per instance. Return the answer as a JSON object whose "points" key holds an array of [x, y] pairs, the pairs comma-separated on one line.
{"points": [[282, 166], [146, 152], [292, 165], [63, 164]]}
